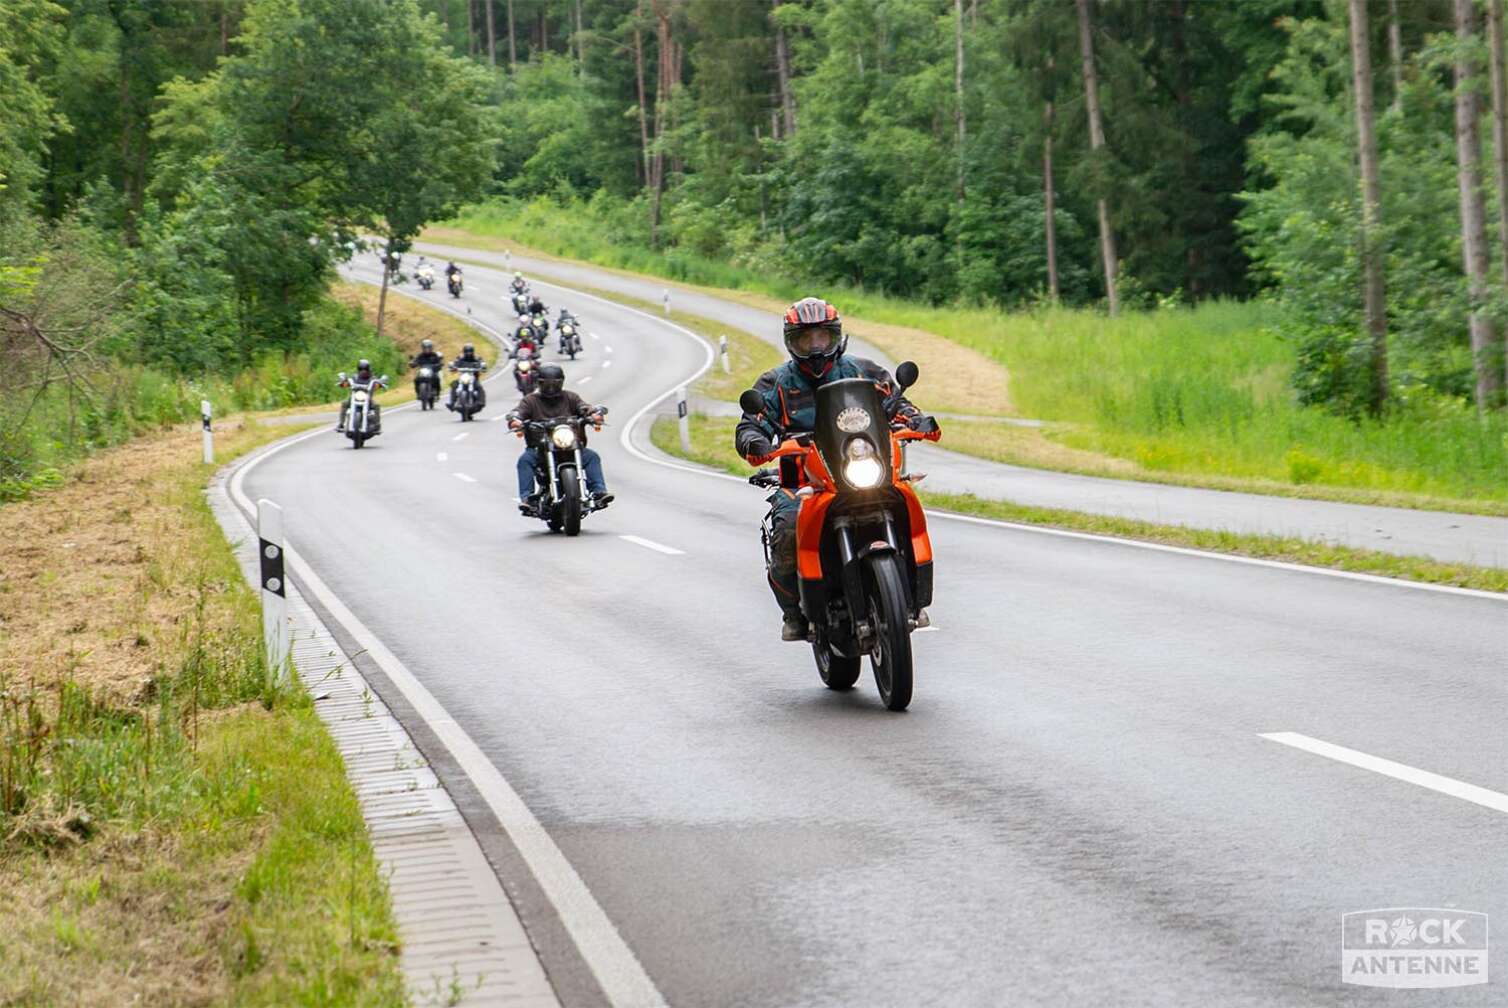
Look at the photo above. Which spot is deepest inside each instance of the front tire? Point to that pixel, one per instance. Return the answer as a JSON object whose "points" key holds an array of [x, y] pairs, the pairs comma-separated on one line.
{"points": [[890, 653], [570, 500]]}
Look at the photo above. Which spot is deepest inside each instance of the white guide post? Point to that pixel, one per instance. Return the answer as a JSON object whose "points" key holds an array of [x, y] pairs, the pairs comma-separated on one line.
{"points": [[205, 413], [682, 412], [722, 349], [276, 634], [666, 298]]}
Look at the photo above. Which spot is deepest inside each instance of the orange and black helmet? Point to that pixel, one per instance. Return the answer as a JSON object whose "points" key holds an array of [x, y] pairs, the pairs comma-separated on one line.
{"points": [[806, 322]]}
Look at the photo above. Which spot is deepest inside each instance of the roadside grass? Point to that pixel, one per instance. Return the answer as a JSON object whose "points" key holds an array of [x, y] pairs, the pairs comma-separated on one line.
{"points": [[712, 446], [174, 828], [1188, 393]]}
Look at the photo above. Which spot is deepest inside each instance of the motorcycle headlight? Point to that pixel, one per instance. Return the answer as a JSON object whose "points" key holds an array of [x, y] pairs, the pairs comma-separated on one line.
{"points": [[862, 467], [523, 365], [563, 437], [425, 372], [358, 397], [567, 330]]}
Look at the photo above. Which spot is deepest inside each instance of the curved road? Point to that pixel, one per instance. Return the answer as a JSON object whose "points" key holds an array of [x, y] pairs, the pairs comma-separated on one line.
{"points": [[1079, 808], [1455, 538]]}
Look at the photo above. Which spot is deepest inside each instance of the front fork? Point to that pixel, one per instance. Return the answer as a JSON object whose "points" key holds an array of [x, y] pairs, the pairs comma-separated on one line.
{"points": [[850, 556], [550, 470]]}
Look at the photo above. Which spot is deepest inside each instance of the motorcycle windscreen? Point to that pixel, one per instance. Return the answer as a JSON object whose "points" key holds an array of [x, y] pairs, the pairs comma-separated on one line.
{"points": [[849, 408]]}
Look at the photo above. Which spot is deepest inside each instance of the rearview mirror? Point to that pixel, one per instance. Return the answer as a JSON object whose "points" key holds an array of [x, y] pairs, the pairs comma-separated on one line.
{"points": [[383, 378], [906, 374], [602, 411], [751, 402]]}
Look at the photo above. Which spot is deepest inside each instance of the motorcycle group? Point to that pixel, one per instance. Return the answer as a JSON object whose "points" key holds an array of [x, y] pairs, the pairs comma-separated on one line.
{"points": [[560, 478], [847, 553]]}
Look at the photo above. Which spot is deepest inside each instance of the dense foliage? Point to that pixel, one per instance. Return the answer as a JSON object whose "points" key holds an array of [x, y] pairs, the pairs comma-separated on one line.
{"points": [[179, 180]]}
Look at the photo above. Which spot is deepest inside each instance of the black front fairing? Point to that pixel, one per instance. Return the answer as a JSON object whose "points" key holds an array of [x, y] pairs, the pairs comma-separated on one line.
{"points": [[847, 409]]}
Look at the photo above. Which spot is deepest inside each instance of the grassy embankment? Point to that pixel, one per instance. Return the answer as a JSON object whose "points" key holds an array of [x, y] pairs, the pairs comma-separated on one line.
{"points": [[1195, 396], [174, 828], [712, 445]]}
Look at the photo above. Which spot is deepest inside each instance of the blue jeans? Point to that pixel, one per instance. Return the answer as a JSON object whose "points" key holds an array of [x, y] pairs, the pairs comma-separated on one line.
{"points": [[590, 461]]}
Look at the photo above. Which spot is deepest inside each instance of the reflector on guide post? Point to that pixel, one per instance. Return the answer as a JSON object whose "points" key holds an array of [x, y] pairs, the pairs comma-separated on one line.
{"points": [[684, 414], [205, 413], [276, 634]]}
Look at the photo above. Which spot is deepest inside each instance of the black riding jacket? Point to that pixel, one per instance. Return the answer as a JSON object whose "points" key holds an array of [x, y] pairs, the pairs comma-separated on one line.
{"points": [[535, 406]]}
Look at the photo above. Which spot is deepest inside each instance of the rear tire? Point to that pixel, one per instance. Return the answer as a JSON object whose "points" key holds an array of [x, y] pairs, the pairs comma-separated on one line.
{"points": [[837, 671], [890, 656], [570, 503]]}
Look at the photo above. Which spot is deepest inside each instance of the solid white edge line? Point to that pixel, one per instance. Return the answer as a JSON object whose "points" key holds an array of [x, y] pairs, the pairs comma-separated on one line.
{"points": [[616, 968], [1495, 800], [651, 544], [463, 477]]}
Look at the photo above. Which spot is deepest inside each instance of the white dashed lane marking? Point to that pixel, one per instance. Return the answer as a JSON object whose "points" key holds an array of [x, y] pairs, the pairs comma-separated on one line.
{"points": [[461, 435], [651, 544], [585, 380], [1494, 800], [441, 456], [463, 477]]}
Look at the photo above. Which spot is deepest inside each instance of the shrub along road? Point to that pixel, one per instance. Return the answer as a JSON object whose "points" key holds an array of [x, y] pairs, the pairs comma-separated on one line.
{"points": [[1080, 805]]}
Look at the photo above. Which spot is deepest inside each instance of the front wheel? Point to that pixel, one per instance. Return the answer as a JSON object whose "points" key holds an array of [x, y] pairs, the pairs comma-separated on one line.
{"points": [[570, 500], [890, 649], [358, 439]]}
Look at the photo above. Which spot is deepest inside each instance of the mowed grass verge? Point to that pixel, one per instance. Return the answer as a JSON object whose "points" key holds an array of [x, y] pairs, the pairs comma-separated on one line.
{"points": [[175, 829], [712, 445]]}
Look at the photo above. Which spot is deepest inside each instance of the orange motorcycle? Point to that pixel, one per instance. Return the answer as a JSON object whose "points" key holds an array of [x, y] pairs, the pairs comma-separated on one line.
{"points": [[863, 558]]}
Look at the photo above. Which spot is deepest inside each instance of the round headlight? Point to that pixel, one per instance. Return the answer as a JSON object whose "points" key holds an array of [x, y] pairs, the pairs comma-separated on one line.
{"points": [[862, 467], [358, 397], [564, 437]]}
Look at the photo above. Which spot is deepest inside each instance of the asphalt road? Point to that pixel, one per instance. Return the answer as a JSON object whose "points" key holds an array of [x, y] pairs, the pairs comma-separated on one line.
{"points": [[1474, 539], [1079, 807]]}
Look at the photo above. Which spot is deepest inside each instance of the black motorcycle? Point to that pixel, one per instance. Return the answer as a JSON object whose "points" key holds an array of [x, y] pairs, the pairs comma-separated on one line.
{"points": [[466, 396], [520, 303], [570, 339], [363, 421], [426, 387], [558, 470], [453, 281]]}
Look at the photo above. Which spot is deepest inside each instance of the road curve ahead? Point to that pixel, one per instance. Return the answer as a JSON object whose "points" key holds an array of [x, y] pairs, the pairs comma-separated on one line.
{"points": [[1079, 808], [1440, 535]]}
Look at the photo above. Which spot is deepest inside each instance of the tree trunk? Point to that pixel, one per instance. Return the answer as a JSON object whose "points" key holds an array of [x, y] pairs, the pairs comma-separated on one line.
{"points": [[491, 33], [662, 100], [1395, 53], [1049, 198], [1096, 142], [783, 81], [1500, 143], [1373, 292], [1484, 344], [387, 258], [580, 40], [512, 39], [470, 28], [643, 107], [958, 110]]}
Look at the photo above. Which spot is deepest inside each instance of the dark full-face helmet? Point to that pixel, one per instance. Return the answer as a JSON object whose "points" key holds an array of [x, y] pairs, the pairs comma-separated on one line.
{"points": [[426, 345], [468, 351], [814, 336], [551, 380]]}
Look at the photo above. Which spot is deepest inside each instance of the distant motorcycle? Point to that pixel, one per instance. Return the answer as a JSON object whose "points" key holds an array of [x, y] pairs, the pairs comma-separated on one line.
{"points": [[362, 419], [466, 391], [863, 555], [453, 281], [570, 339], [525, 369], [427, 387], [426, 277], [558, 470], [520, 304]]}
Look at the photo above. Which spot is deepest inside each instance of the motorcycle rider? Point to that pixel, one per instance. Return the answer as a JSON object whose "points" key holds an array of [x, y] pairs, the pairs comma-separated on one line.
{"points": [[363, 374], [468, 361], [815, 340], [525, 333], [548, 401], [519, 284], [427, 357], [536, 306]]}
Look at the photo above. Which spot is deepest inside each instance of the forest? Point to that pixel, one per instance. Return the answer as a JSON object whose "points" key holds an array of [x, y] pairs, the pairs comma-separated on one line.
{"points": [[181, 178]]}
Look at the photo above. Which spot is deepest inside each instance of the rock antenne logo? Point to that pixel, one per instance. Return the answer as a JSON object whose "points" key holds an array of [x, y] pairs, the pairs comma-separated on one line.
{"points": [[1413, 947]]}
